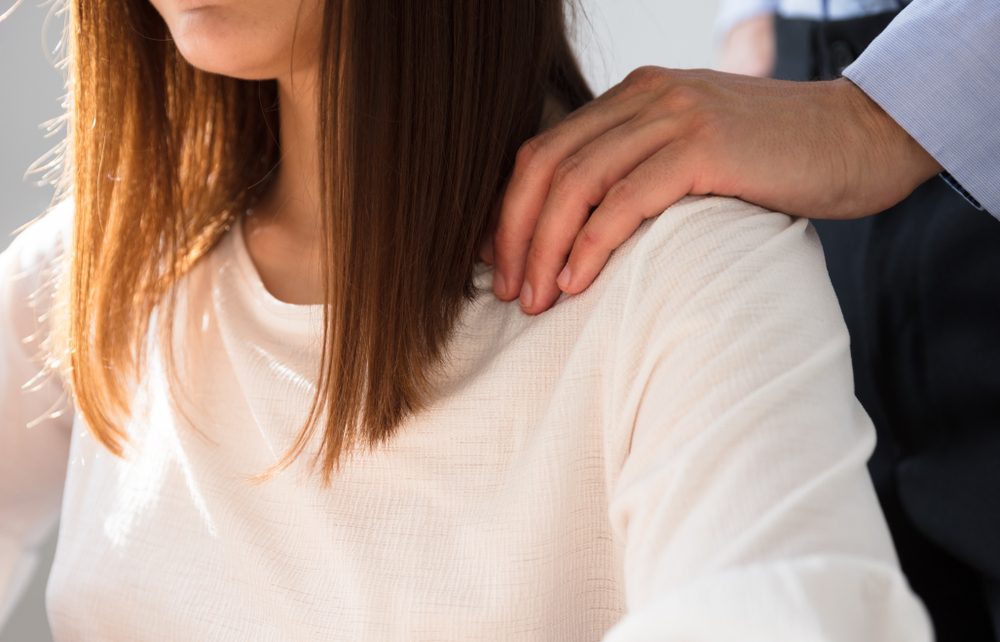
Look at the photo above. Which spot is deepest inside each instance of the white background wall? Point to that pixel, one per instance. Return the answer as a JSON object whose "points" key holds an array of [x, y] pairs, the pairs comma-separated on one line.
{"points": [[613, 37]]}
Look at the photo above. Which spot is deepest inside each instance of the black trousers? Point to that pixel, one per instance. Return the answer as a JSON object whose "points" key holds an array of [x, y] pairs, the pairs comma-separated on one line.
{"points": [[919, 286]]}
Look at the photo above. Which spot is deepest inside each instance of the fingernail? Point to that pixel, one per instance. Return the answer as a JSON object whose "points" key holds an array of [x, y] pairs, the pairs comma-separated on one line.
{"points": [[563, 279], [499, 286], [526, 295]]}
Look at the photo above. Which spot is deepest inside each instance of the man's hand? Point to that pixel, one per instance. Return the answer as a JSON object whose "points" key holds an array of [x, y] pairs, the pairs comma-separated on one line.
{"points": [[821, 149]]}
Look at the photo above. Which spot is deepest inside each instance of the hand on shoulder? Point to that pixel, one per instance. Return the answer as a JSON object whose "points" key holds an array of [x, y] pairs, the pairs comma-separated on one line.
{"points": [[581, 188]]}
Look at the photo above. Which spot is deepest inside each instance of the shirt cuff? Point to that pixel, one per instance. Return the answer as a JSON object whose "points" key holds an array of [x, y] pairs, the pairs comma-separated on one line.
{"points": [[964, 193], [935, 70]]}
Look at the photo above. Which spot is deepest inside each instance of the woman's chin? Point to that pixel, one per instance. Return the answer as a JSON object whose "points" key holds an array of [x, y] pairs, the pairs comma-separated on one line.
{"points": [[213, 62], [215, 45]]}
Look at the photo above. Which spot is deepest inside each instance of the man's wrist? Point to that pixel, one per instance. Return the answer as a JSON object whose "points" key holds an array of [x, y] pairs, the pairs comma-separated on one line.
{"points": [[903, 159]]}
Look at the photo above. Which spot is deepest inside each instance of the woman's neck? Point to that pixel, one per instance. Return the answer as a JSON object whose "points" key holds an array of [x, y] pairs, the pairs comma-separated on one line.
{"points": [[282, 234], [293, 199]]}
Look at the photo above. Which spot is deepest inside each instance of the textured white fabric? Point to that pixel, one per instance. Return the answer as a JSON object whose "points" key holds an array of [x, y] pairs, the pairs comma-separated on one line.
{"points": [[674, 454]]}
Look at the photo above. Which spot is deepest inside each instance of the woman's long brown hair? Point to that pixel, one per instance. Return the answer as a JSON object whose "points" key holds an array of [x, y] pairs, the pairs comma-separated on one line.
{"points": [[423, 103]]}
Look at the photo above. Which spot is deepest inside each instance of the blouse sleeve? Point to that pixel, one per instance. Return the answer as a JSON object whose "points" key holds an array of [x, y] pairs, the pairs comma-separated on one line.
{"points": [[35, 418], [743, 502]]}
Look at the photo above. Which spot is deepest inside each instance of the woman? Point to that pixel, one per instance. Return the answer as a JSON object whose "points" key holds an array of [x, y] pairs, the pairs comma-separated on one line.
{"points": [[294, 411]]}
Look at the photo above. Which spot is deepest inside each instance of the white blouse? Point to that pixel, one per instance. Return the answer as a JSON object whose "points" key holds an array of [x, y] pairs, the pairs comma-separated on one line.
{"points": [[674, 454]]}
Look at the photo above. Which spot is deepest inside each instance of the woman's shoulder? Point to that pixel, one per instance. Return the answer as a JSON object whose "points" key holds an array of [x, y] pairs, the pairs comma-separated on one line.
{"points": [[38, 244], [30, 268], [719, 270], [704, 241], [715, 231], [718, 295]]}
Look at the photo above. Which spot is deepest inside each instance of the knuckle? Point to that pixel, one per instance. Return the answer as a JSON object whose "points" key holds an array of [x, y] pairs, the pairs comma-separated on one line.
{"points": [[620, 195], [566, 174], [588, 241], [682, 97], [537, 255], [703, 126], [530, 152], [505, 240], [645, 77], [507, 232]]}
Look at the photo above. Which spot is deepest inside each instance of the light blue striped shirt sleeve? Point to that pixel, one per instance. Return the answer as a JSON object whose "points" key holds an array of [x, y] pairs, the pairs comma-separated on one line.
{"points": [[936, 71]]}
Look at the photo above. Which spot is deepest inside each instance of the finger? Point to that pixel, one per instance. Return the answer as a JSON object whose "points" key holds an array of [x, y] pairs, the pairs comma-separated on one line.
{"points": [[647, 191], [532, 175], [579, 184]]}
